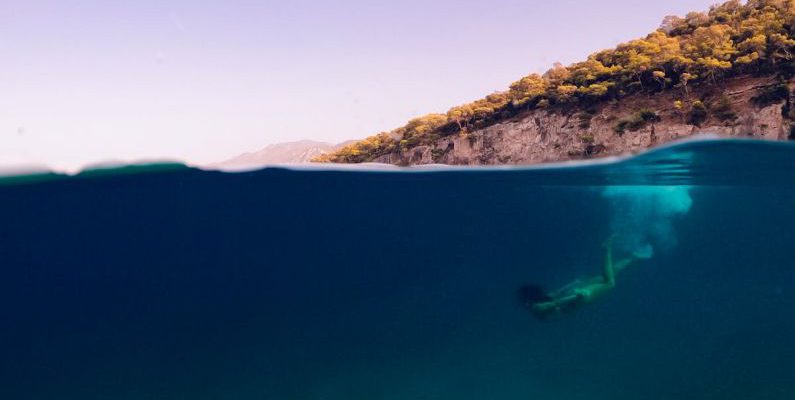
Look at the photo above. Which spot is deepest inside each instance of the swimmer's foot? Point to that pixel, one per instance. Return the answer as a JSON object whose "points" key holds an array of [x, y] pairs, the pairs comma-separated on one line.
{"points": [[644, 252]]}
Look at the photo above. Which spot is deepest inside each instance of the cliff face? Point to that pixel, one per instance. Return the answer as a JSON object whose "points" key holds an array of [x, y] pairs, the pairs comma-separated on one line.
{"points": [[731, 108]]}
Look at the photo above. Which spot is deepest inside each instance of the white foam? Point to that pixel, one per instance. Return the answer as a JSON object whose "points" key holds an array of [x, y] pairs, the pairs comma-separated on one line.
{"points": [[643, 216]]}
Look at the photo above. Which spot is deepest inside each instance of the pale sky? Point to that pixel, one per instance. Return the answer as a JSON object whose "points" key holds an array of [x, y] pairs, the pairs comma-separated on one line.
{"points": [[85, 81]]}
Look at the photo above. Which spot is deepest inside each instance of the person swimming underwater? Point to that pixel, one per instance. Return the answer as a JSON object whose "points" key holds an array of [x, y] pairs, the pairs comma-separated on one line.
{"points": [[570, 298]]}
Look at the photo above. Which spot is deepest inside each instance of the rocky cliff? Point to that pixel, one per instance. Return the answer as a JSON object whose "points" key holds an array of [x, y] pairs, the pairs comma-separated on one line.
{"points": [[745, 106]]}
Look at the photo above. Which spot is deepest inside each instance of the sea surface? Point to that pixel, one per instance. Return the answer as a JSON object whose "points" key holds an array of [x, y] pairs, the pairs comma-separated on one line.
{"points": [[169, 282]]}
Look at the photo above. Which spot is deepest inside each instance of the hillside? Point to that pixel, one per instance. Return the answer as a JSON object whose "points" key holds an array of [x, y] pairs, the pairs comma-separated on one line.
{"points": [[727, 71]]}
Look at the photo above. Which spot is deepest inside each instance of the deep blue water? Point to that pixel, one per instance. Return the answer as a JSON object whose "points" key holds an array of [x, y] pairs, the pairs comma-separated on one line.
{"points": [[175, 283]]}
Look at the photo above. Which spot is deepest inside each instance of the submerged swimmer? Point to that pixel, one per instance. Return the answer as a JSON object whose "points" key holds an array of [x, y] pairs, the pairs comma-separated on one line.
{"points": [[570, 298]]}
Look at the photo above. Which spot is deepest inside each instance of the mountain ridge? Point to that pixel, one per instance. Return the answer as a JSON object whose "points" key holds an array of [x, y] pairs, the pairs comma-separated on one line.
{"points": [[294, 152]]}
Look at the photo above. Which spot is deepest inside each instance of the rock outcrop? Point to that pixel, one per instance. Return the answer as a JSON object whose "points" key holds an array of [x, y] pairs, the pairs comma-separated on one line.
{"points": [[555, 134]]}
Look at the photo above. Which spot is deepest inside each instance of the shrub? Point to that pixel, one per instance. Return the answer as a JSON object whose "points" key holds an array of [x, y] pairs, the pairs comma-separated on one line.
{"points": [[722, 110], [698, 113], [636, 124], [593, 149], [638, 121], [647, 115], [771, 95], [787, 69]]}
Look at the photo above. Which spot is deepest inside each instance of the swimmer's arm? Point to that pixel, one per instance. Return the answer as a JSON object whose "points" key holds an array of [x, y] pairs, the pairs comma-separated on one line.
{"points": [[567, 299], [555, 303], [558, 293]]}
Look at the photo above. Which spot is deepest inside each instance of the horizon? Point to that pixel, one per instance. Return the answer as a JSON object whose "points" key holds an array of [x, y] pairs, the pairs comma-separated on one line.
{"points": [[108, 82]]}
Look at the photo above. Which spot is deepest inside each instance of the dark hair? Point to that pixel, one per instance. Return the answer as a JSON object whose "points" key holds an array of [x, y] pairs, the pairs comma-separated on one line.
{"points": [[531, 294]]}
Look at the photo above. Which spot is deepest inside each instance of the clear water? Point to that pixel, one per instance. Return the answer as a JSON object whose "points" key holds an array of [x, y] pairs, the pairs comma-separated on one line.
{"points": [[175, 283]]}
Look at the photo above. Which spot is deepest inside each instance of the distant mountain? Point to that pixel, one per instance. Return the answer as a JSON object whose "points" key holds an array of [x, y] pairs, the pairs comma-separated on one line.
{"points": [[302, 151]]}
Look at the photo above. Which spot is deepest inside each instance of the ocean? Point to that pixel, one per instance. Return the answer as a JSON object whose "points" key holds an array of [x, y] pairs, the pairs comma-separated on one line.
{"points": [[169, 282]]}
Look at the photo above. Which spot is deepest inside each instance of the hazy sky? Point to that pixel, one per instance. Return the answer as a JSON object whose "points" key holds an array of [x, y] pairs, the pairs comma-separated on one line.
{"points": [[87, 80]]}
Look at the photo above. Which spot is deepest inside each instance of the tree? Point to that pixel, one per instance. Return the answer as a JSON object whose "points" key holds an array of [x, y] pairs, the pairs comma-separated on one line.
{"points": [[657, 51], [661, 48], [679, 107], [684, 79], [765, 32], [595, 90], [781, 47], [712, 48], [713, 66], [752, 49], [527, 89], [557, 75], [589, 71], [425, 124], [659, 76], [698, 113], [727, 12], [464, 114], [564, 93], [697, 19], [460, 115], [671, 23]]}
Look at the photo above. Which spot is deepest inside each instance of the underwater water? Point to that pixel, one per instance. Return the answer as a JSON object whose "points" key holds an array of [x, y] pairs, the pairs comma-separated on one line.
{"points": [[175, 283]]}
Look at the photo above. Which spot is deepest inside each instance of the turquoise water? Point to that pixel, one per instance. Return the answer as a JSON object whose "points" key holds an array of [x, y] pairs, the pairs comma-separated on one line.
{"points": [[166, 282]]}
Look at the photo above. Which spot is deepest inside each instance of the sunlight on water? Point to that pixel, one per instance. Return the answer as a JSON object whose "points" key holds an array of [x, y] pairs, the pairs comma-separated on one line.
{"points": [[643, 216]]}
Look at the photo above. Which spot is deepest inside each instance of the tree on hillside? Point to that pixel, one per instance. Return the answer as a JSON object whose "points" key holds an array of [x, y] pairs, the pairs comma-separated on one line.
{"points": [[712, 48], [557, 75], [727, 12], [592, 70], [670, 23], [527, 89], [684, 79]]}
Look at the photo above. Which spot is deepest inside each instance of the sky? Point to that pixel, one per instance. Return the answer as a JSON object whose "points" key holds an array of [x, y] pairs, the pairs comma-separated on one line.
{"points": [[87, 81]]}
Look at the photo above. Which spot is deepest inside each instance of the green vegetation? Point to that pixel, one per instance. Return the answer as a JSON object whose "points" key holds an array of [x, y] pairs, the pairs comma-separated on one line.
{"points": [[637, 122], [701, 48], [647, 116], [722, 110], [698, 113], [771, 95]]}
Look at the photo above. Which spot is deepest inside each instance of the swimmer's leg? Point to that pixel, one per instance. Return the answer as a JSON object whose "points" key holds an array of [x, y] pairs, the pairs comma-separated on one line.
{"points": [[620, 265]]}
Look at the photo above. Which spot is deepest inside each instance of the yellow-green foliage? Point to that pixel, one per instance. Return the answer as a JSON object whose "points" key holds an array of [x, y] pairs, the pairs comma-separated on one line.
{"points": [[362, 151], [732, 38]]}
